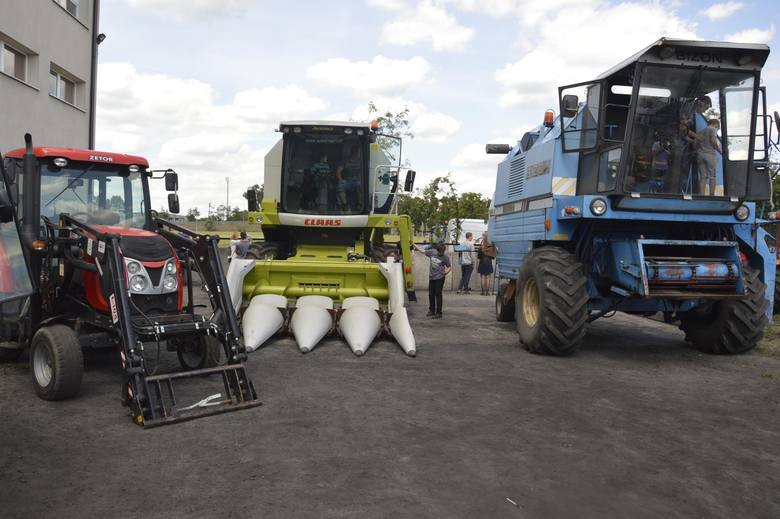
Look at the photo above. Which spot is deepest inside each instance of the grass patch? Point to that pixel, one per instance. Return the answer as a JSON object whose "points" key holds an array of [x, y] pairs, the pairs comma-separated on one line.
{"points": [[770, 344]]}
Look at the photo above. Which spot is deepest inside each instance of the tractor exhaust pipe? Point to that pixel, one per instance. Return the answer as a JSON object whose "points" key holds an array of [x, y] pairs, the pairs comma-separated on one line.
{"points": [[31, 199]]}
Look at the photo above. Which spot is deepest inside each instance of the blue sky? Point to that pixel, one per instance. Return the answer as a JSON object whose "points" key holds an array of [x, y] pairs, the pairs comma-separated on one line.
{"points": [[199, 85]]}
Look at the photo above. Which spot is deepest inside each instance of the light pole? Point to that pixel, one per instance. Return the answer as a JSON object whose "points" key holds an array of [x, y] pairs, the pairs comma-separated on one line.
{"points": [[227, 198]]}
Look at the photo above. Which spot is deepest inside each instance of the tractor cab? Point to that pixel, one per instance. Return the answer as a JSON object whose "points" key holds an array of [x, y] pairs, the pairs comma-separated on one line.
{"points": [[681, 121]]}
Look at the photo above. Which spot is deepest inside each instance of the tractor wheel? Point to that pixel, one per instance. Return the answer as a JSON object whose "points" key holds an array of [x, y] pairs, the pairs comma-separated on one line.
{"points": [[198, 353], [505, 312], [56, 362], [551, 302], [731, 326], [776, 308], [263, 251]]}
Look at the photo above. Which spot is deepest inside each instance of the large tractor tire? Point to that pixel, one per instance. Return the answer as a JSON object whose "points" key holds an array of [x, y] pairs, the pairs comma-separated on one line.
{"points": [[198, 352], [776, 307], [505, 311], [263, 251], [551, 302], [730, 326], [56, 362]]}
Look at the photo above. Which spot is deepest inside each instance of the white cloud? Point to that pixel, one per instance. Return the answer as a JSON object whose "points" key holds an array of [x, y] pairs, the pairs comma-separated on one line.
{"points": [[722, 11], [428, 21], [753, 35], [388, 5], [381, 75], [425, 125], [177, 123], [474, 170], [565, 49], [435, 127], [184, 9]]}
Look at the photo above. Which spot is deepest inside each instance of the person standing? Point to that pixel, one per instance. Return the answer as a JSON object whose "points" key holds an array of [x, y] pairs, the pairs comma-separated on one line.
{"points": [[707, 158], [242, 245], [485, 269], [440, 267], [468, 257]]}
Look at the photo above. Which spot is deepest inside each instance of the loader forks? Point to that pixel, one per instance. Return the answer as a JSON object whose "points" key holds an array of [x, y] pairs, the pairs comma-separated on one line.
{"points": [[152, 398]]}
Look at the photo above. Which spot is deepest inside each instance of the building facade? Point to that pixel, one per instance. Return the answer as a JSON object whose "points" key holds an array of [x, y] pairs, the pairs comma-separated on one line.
{"points": [[48, 51]]}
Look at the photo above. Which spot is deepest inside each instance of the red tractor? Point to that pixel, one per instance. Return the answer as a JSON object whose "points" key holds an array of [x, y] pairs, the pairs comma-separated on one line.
{"points": [[86, 263]]}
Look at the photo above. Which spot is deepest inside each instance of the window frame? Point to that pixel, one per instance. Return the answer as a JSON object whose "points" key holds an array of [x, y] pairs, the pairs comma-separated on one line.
{"points": [[17, 54], [60, 79], [64, 5]]}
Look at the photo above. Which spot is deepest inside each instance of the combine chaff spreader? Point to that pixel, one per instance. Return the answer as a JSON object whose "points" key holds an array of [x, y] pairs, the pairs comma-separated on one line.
{"points": [[334, 243]]}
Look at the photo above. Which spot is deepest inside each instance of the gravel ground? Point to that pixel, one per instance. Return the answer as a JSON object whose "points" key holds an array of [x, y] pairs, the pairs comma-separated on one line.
{"points": [[635, 425]]}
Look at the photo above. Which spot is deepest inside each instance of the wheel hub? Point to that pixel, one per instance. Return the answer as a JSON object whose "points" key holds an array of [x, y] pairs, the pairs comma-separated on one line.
{"points": [[42, 366], [531, 302]]}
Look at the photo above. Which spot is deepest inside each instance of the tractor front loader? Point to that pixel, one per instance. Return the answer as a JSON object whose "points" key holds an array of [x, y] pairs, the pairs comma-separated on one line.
{"points": [[104, 271]]}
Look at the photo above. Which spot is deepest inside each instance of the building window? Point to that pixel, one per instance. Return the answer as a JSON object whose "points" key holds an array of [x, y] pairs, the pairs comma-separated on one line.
{"points": [[72, 6], [62, 87], [13, 62]]}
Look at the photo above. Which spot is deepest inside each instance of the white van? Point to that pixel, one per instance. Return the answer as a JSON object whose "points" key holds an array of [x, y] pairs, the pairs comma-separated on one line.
{"points": [[473, 225]]}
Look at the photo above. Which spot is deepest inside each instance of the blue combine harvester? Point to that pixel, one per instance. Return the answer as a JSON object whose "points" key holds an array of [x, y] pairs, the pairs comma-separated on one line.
{"points": [[642, 197]]}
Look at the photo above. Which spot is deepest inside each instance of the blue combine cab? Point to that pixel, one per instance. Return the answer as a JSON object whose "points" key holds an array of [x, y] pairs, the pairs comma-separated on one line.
{"points": [[642, 196]]}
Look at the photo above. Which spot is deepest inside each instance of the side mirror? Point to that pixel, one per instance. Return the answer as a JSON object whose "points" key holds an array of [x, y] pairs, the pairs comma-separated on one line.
{"points": [[173, 203], [409, 182], [171, 181], [569, 105], [6, 208], [253, 204], [497, 149], [777, 121]]}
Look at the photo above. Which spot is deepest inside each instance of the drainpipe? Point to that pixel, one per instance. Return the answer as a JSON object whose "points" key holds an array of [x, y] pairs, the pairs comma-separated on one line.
{"points": [[93, 72]]}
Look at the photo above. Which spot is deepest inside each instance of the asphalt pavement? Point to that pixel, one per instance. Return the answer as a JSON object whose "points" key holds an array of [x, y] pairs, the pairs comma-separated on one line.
{"points": [[637, 424]]}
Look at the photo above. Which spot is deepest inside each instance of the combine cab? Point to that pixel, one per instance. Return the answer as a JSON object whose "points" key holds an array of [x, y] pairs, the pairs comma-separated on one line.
{"points": [[333, 241], [642, 197], [85, 263]]}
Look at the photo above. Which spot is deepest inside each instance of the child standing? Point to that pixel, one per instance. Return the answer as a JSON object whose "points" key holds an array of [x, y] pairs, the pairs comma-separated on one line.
{"points": [[440, 267]]}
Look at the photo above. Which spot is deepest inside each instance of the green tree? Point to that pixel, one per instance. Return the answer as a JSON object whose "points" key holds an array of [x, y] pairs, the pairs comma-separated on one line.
{"points": [[392, 125], [474, 205], [193, 214]]}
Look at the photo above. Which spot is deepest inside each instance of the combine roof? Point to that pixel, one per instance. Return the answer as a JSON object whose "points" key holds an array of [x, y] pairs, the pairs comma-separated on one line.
{"points": [[697, 53], [343, 124], [99, 157]]}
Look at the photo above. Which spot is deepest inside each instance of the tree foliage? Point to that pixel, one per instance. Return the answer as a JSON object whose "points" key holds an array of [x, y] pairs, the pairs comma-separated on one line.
{"points": [[393, 125], [439, 202]]}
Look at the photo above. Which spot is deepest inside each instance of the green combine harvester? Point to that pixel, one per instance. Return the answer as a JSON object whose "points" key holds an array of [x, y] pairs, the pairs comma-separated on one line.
{"points": [[333, 238]]}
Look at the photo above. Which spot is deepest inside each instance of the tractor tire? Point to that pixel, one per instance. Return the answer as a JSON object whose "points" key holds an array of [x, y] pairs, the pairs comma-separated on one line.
{"points": [[776, 307], [505, 312], [731, 326], [203, 352], [551, 302], [56, 362], [263, 251]]}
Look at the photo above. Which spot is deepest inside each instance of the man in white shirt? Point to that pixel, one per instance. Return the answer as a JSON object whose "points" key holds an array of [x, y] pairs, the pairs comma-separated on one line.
{"points": [[468, 257]]}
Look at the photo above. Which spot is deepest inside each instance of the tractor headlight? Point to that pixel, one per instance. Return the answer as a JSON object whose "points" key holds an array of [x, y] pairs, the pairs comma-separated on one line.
{"points": [[169, 283], [742, 213], [138, 283], [133, 267], [598, 206], [170, 267]]}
